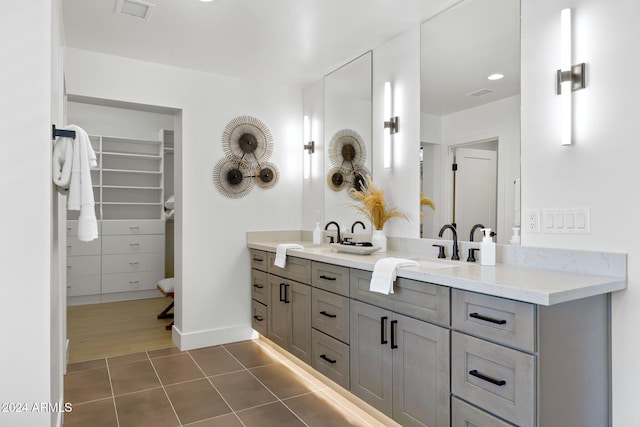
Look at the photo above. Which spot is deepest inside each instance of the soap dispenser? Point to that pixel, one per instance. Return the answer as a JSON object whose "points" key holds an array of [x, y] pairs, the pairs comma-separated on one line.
{"points": [[487, 249], [317, 234]]}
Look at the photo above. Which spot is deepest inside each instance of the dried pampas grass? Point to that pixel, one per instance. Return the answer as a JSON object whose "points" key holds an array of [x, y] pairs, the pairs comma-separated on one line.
{"points": [[374, 206]]}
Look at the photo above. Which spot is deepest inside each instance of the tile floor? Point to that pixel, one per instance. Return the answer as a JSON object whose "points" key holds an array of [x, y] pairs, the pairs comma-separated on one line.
{"points": [[239, 384]]}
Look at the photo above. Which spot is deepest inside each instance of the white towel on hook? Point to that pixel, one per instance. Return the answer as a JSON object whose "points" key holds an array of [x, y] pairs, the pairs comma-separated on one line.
{"points": [[281, 253], [80, 186], [384, 273], [62, 161]]}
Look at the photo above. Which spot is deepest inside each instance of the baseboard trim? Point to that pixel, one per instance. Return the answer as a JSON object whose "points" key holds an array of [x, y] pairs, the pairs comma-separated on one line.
{"points": [[211, 337]]}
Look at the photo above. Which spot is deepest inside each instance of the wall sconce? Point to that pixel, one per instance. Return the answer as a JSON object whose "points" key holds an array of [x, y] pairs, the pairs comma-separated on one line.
{"points": [[569, 77], [309, 146], [392, 125]]}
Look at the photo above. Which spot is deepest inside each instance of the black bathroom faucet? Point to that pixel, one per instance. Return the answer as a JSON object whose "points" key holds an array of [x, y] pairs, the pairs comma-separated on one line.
{"points": [[454, 255], [353, 226], [472, 251], [326, 227]]}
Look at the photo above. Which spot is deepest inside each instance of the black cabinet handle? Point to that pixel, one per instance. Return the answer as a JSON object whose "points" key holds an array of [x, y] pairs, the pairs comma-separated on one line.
{"points": [[488, 319], [327, 278], [258, 318], [324, 313], [477, 374], [258, 259], [258, 286], [286, 293], [282, 298], [322, 356], [394, 327], [383, 330]]}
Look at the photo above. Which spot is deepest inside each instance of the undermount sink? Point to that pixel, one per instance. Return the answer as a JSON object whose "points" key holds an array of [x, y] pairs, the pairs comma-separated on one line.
{"points": [[432, 263]]}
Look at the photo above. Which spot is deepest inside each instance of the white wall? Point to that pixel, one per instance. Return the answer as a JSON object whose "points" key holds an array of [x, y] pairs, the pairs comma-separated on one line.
{"points": [[29, 358], [398, 61], [212, 261], [600, 170]]}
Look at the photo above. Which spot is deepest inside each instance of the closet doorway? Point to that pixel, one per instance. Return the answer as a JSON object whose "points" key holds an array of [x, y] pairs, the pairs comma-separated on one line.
{"points": [[112, 296]]}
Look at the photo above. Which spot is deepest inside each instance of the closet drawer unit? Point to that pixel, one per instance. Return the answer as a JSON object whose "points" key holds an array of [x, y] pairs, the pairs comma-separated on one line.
{"points": [[75, 247], [87, 284], [259, 317], [297, 269], [330, 357], [124, 227], [421, 300], [496, 319], [258, 259], [465, 415], [83, 265], [132, 244], [132, 263], [259, 286], [125, 282], [72, 228], [330, 314], [332, 278], [496, 378]]}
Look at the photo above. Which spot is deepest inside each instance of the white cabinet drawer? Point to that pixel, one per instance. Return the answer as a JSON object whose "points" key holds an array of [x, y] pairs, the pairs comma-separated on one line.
{"points": [[497, 319], [72, 228], [82, 265], [132, 244], [125, 282], [76, 247], [498, 379], [132, 263], [330, 314], [88, 284], [124, 227], [465, 415]]}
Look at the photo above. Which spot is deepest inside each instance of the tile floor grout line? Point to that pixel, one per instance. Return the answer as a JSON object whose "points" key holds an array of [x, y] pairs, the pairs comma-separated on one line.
{"points": [[166, 394], [113, 396]]}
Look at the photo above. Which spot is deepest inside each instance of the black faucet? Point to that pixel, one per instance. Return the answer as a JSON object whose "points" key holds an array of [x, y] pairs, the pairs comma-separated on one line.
{"points": [[473, 230], [454, 256], [472, 251], [326, 227], [353, 226]]}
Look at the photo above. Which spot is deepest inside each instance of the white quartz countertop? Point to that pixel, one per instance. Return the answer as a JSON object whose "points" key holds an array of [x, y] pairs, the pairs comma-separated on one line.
{"points": [[533, 285]]}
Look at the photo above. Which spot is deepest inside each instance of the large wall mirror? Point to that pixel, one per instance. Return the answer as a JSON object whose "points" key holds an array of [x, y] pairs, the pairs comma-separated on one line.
{"points": [[347, 133], [470, 117]]}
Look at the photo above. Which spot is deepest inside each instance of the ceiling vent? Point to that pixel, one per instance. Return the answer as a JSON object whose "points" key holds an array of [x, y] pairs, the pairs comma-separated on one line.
{"points": [[136, 8], [479, 93]]}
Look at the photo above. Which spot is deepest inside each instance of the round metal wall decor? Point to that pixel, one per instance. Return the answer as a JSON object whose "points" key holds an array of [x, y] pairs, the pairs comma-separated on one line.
{"points": [[249, 139], [233, 177], [266, 175], [337, 179], [347, 149]]}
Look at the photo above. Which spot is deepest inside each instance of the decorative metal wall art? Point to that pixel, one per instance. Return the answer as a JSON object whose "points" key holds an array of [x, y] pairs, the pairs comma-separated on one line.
{"points": [[347, 154], [248, 145]]}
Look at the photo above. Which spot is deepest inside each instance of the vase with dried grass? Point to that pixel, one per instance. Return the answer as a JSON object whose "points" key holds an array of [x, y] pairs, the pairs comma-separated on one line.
{"points": [[374, 207]]}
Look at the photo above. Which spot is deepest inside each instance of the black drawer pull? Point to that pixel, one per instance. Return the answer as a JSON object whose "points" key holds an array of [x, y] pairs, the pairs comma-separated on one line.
{"points": [[258, 318], [324, 313], [286, 288], [322, 356], [327, 278], [258, 286], [282, 298], [488, 319], [394, 327], [383, 330], [258, 259], [477, 374]]}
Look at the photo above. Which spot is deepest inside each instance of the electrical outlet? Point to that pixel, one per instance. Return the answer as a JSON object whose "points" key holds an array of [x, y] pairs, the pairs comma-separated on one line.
{"points": [[532, 220]]}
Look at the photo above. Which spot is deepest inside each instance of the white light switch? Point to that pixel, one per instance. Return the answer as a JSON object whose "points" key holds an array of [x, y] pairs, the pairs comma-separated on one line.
{"points": [[559, 220], [580, 220], [568, 220]]}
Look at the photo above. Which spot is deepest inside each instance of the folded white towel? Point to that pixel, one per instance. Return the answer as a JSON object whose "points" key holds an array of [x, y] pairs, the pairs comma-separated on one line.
{"points": [[384, 273], [62, 161], [170, 203], [281, 253]]}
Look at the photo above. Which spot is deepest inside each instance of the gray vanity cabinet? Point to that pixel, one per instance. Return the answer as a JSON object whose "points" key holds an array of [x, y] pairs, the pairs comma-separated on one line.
{"points": [[400, 365]]}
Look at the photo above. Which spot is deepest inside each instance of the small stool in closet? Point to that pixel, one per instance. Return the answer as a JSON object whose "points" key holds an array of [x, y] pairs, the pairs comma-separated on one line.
{"points": [[166, 287]]}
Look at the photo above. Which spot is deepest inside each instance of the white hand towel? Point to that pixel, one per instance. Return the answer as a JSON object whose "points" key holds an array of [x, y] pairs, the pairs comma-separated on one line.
{"points": [[62, 162], [384, 273], [281, 253]]}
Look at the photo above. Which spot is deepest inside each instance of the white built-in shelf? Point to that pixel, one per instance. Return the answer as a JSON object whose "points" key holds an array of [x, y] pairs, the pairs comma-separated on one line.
{"points": [[132, 171], [132, 203], [131, 187], [132, 155]]}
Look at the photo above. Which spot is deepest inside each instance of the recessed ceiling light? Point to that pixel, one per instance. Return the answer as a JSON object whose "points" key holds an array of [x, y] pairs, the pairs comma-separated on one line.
{"points": [[206, 1], [136, 8], [496, 76]]}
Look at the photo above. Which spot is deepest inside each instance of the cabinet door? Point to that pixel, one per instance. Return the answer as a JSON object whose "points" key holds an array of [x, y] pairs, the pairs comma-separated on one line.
{"points": [[299, 306], [277, 323], [420, 372], [371, 357]]}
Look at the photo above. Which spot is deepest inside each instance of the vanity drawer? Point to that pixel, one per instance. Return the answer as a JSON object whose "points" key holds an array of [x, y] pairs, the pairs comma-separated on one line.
{"points": [[332, 278], [82, 265], [131, 263], [330, 357], [75, 247], [297, 269], [330, 314], [421, 300], [259, 317], [125, 282], [259, 286], [88, 284], [258, 259], [137, 226], [496, 319], [465, 415], [496, 378], [132, 244]]}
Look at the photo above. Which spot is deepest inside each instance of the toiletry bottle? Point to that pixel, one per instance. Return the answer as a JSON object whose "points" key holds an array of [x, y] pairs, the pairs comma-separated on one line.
{"points": [[487, 249], [317, 234]]}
